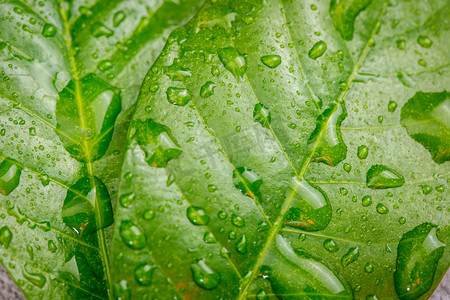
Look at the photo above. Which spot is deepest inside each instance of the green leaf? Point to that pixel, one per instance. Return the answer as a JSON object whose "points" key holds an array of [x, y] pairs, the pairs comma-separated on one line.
{"points": [[287, 173], [70, 74]]}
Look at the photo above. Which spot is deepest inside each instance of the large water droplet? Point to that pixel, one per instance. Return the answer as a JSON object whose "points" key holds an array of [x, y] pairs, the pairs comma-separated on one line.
{"points": [[425, 117], [197, 215], [272, 61], [87, 206], [344, 14], [317, 50], [132, 235], [418, 254], [5, 236], [9, 176], [233, 61], [86, 118], [310, 209], [326, 139], [382, 177], [424, 41], [143, 274], [157, 142], [262, 115], [248, 182], [297, 274], [204, 276]]}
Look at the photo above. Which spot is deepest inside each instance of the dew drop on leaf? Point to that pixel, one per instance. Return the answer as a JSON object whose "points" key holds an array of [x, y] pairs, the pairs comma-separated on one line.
{"points": [[35, 278], [233, 61], [207, 89], [132, 235], [366, 200], [197, 215], [178, 96], [349, 257], [237, 220], [418, 254], [241, 245], [118, 18], [330, 245], [98, 30], [9, 176], [127, 199], [363, 152], [317, 50], [424, 41], [204, 276], [143, 274], [49, 30], [382, 209], [310, 209], [5, 236], [272, 61], [392, 106], [382, 177], [262, 115]]}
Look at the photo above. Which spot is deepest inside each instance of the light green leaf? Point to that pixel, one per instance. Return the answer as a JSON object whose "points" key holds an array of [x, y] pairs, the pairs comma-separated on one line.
{"points": [[280, 167], [70, 74]]}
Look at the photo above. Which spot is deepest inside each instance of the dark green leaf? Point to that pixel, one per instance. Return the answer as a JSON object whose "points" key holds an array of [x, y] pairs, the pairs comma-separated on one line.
{"points": [[70, 74], [293, 177]]}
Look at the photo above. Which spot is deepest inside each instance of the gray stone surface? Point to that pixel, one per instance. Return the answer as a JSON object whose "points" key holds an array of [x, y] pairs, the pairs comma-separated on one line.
{"points": [[9, 291]]}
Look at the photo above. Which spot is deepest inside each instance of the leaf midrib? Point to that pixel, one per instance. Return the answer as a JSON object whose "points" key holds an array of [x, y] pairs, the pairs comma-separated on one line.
{"points": [[286, 205]]}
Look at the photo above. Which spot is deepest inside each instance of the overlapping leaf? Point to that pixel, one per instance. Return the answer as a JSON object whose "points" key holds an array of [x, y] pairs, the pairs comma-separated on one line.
{"points": [[290, 149], [70, 74]]}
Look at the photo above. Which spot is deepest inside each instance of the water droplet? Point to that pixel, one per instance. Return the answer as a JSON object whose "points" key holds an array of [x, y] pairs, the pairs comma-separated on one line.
{"points": [[52, 247], [418, 254], [233, 61], [272, 61], [317, 50], [209, 238], [351, 256], [132, 235], [344, 14], [405, 79], [402, 220], [5, 236], [326, 139], [382, 209], [36, 279], [178, 96], [262, 295], [426, 121], [204, 276], [366, 200], [197, 215], [49, 30], [157, 142], [392, 106], [118, 18], [330, 245], [148, 214], [368, 267], [207, 89], [237, 220], [424, 41], [104, 65], [363, 152], [347, 167], [101, 104], [127, 199], [241, 245], [299, 274], [32, 131], [310, 209], [176, 72], [382, 177], [371, 297], [143, 274], [9, 176], [87, 206], [248, 182], [99, 30], [262, 115]]}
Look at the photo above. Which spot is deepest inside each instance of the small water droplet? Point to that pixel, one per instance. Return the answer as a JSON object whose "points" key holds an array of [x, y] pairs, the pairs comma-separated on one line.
{"points": [[366, 200], [5, 236], [351, 256], [382, 177], [143, 274], [330, 245], [197, 215], [382, 209], [424, 41], [392, 106], [363, 152], [272, 61], [237, 220], [347, 167], [48, 30], [132, 235], [209, 238], [127, 199], [368, 267], [204, 276], [317, 50]]}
